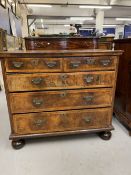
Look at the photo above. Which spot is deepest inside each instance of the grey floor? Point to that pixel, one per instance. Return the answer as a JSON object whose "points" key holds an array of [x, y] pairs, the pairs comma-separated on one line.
{"points": [[70, 155]]}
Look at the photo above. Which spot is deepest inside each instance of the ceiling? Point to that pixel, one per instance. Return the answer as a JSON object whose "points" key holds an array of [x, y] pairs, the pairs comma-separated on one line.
{"points": [[62, 10]]}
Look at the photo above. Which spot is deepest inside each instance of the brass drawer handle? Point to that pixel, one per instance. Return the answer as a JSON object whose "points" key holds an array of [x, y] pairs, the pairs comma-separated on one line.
{"points": [[37, 81], [90, 61], [88, 98], [105, 62], [89, 79], [17, 64], [39, 122], [37, 102], [51, 64], [75, 64], [87, 119]]}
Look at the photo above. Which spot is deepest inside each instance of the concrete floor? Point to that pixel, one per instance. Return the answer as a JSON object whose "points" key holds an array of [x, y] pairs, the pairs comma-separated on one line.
{"points": [[70, 155]]}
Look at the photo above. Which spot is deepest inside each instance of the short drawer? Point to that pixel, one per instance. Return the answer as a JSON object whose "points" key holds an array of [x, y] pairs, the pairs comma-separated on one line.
{"points": [[34, 65], [90, 63], [47, 122], [47, 81], [59, 100]]}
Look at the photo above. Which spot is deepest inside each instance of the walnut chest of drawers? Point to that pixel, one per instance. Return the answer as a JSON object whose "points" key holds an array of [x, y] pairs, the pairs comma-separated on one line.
{"points": [[59, 92]]}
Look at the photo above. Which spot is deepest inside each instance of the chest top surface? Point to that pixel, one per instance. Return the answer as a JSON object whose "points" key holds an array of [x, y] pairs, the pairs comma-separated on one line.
{"points": [[58, 53]]}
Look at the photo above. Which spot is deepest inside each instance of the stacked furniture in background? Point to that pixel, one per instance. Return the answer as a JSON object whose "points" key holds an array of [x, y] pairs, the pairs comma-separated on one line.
{"points": [[3, 41], [3, 46], [106, 42], [54, 42], [14, 43], [9, 42], [122, 108]]}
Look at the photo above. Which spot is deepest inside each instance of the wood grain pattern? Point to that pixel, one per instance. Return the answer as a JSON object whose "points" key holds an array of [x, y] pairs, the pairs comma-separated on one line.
{"points": [[105, 45], [90, 63], [34, 65], [60, 133], [50, 43], [49, 81], [60, 100], [47, 122], [65, 42], [36, 110], [58, 53], [58, 64]]}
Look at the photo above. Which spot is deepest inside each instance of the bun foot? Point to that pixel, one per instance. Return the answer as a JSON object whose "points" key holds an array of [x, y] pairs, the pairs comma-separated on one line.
{"points": [[106, 135], [18, 144], [114, 114]]}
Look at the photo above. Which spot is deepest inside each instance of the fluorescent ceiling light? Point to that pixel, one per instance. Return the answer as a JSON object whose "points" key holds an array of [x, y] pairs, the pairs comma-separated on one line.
{"points": [[85, 29], [123, 19], [81, 18], [95, 6], [39, 5], [66, 25], [109, 25]]}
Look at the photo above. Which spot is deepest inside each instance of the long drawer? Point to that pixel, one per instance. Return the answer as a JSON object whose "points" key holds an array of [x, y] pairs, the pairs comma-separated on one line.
{"points": [[48, 81], [70, 64], [34, 65], [59, 100], [61, 121]]}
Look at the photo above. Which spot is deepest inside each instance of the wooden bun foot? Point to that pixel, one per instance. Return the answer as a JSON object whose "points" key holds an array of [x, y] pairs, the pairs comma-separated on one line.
{"points": [[114, 114], [18, 144], [106, 135]]}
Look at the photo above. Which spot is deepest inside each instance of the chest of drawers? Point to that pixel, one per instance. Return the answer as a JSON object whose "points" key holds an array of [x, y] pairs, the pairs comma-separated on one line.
{"points": [[59, 92]]}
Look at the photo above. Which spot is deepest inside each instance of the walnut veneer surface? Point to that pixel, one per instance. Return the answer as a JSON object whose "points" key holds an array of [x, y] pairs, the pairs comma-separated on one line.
{"points": [[57, 92], [67, 42]]}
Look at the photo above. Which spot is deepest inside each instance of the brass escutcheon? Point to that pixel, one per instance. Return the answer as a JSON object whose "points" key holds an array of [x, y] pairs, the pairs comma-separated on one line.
{"points": [[37, 102], [87, 119], [51, 64]]}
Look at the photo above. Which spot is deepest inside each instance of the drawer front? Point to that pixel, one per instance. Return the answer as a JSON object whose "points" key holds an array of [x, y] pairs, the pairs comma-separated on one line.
{"points": [[61, 121], [60, 100], [34, 65], [30, 82], [90, 63], [59, 43]]}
